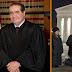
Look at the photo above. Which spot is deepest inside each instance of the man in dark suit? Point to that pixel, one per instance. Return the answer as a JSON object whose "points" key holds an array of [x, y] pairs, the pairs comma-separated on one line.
{"points": [[22, 49]]}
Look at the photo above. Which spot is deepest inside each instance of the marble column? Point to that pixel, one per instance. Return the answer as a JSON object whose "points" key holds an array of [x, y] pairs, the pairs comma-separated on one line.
{"points": [[71, 27], [59, 23], [65, 29]]}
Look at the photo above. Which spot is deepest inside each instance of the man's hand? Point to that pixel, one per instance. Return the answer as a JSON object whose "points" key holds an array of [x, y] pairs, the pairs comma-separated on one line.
{"points": [[17, 70], [13, 66]]}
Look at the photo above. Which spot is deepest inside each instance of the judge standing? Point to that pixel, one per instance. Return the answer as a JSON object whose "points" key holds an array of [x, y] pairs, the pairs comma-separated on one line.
{"points": [[22, 44]]}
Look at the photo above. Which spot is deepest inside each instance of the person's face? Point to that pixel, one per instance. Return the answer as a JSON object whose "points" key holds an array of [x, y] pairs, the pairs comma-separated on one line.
{"points": [[57, 32], [16, 15]]}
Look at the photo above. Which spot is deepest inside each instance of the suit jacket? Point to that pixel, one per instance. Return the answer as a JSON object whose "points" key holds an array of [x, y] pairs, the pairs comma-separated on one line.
{"points": [[28, 47]]}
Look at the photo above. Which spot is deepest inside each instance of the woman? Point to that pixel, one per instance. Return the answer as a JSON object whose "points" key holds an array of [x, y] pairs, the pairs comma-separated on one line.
{"points": [[57, 47]]}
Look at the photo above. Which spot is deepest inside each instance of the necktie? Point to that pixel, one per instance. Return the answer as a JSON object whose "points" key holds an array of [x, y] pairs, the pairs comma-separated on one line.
{"points": [[17, 30]]}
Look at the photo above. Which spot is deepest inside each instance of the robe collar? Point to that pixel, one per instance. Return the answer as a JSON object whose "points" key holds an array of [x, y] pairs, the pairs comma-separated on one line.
{"points": [[20, 24]]}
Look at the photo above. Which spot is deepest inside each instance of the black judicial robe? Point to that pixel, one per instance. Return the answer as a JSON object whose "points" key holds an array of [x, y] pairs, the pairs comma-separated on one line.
{"points": [[27, 47]]}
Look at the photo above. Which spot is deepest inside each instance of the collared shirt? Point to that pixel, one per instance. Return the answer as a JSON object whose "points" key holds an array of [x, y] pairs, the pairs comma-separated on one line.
{"points": [[20, 24]]}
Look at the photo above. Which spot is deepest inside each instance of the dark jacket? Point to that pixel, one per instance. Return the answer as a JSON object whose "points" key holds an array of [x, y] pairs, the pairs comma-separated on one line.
{"points": [[57, 49], [69, 43], [28, 47]]}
